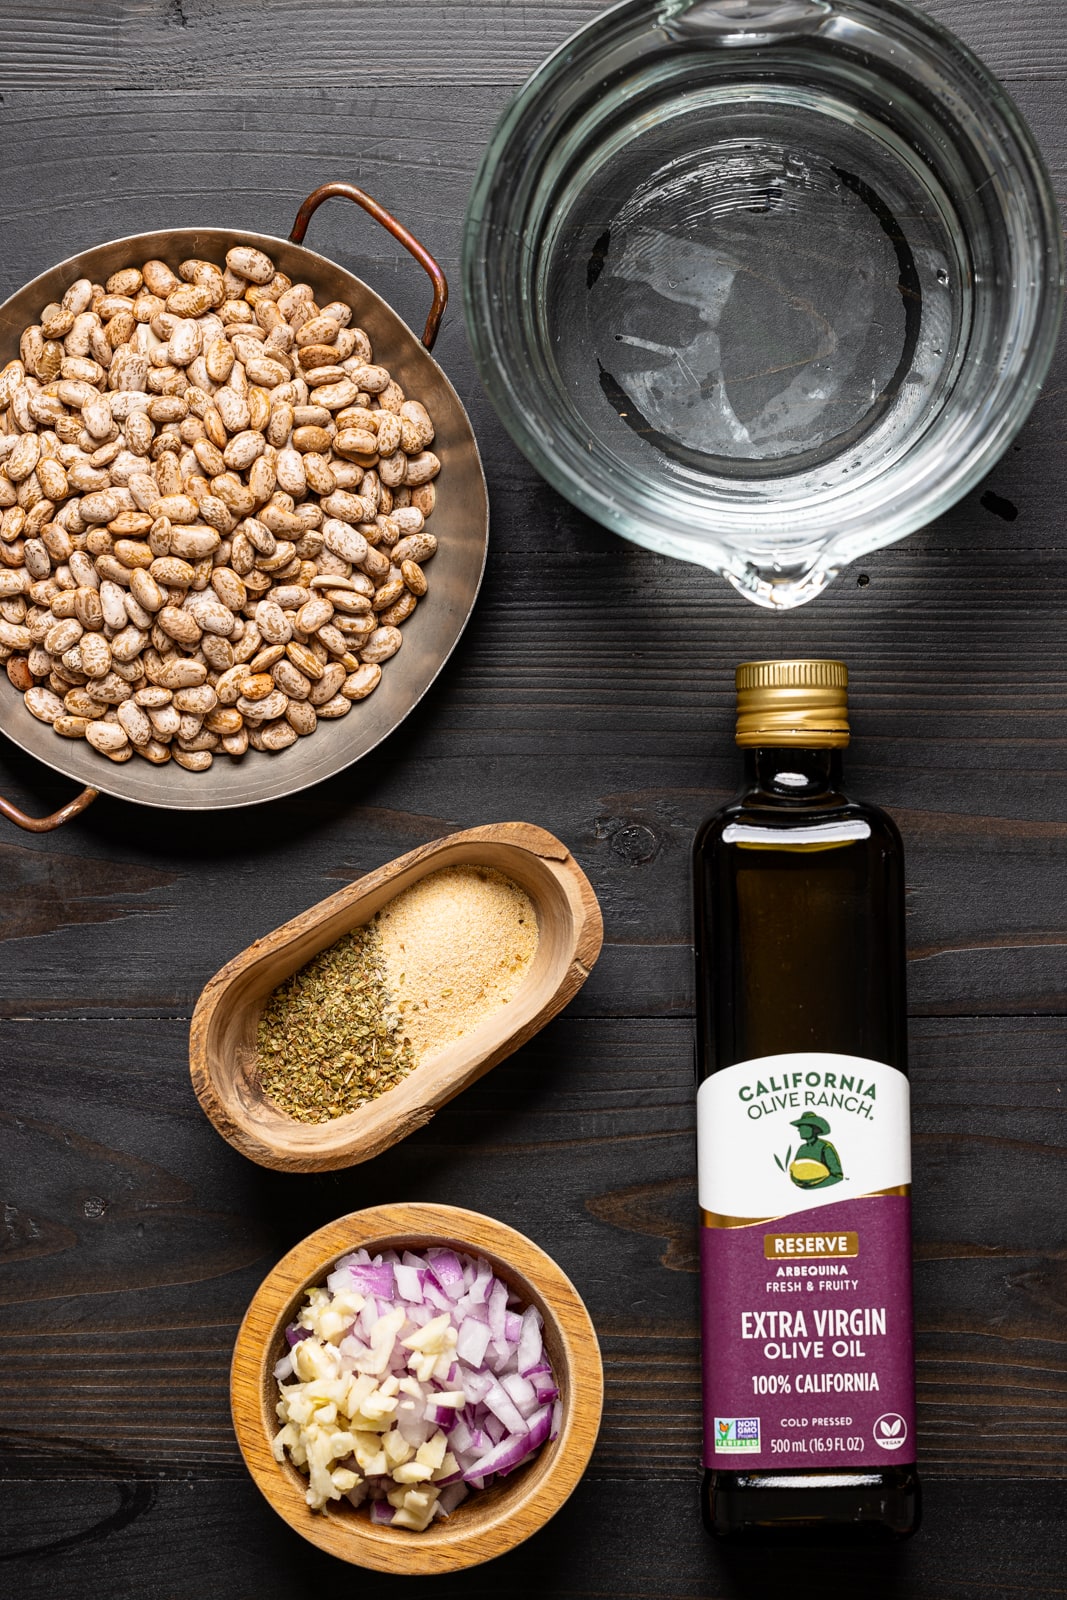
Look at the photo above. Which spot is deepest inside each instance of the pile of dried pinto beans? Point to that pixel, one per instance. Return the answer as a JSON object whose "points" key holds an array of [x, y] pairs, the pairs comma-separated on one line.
{"points": [[212, 511]]}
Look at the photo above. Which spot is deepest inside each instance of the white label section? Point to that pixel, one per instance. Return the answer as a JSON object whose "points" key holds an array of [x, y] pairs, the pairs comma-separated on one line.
{"points": [[787, 1133]]}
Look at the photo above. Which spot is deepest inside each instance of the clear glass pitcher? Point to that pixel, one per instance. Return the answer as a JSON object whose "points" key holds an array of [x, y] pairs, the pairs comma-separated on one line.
{"points": [[763, 284]]}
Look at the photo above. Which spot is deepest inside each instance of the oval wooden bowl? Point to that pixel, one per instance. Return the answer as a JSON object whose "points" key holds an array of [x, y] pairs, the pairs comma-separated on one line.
{"points": [[222, 1045], [489, 1522]]}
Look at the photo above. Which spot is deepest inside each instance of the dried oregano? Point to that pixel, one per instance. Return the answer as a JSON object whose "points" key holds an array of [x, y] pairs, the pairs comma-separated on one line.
{"points": [[329, 1039]]}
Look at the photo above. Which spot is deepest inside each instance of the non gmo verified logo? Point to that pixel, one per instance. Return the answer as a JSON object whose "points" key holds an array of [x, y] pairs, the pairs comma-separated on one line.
{"points": [[736, 1433], [890, 1431]]}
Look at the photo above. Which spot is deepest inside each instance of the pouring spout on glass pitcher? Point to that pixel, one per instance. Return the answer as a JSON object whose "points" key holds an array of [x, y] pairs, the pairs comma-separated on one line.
{"points": [[776, 576], [781, 586]]}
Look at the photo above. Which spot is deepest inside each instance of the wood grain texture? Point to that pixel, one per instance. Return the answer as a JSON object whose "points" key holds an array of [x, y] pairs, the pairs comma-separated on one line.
{"points": [[148, 160], [222, 1042], [488, 1523], [178, 1541], [127, 1267], [592, 696], [120, 162], [604, 702], [183, 45]]}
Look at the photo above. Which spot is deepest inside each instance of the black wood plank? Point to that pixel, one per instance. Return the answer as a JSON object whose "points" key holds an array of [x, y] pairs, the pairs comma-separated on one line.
{"points": [[134, 1236], [343, 44], [614, 1540], [593, 695], [129, 161]]}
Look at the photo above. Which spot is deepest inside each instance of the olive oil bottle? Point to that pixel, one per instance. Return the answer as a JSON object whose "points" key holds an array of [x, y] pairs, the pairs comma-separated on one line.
{"points": [[803, 1133]]}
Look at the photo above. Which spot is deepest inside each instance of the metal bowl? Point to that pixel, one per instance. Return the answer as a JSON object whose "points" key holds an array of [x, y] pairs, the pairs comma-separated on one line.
{"points": [[460, 521]]}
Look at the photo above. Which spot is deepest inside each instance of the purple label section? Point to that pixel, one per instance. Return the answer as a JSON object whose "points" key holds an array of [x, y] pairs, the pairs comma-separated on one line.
{"points": [[808, 1339]]}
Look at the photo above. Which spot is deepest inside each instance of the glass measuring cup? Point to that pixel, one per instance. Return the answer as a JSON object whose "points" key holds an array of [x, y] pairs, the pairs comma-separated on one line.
{"points": [[764, 284]]}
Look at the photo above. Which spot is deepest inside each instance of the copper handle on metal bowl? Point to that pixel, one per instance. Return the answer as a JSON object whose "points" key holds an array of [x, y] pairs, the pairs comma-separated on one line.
{"points": [[73, 808], [348, 191]]}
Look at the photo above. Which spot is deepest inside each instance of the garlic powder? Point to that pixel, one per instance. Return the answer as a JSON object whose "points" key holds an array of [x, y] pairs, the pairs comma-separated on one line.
{"points": [[455, 947]]}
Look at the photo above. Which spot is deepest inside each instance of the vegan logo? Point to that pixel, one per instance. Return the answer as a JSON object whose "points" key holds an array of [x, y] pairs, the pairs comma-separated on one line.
{"points": [[890, 1431], [736, 1433], [816, 1164]]}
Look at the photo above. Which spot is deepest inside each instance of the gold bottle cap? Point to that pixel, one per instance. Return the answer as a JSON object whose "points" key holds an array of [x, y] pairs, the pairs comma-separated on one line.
{"points": [[792, 703]]}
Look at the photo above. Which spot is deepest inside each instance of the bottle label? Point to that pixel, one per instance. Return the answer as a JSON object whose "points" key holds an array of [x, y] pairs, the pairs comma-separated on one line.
{"points": [[804, 1181]]}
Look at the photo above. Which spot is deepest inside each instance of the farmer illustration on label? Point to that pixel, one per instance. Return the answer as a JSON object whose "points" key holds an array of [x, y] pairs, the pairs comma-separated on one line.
{"points": [[816, 1164]]}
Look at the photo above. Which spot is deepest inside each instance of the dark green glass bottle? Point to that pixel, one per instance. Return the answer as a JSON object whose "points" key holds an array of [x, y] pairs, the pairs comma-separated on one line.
{"points": [[803, 1133]]}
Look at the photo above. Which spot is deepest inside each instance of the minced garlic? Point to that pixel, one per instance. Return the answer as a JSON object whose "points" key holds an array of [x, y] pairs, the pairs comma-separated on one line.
{"points": [[330, 1414], [455, 948]]}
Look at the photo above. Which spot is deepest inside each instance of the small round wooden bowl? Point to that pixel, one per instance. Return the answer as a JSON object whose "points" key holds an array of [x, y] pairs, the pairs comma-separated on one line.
{"points": [[491, 1521], [222, 1037]]}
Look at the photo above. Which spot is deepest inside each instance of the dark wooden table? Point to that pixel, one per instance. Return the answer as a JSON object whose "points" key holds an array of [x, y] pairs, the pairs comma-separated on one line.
{"points": [[591, 694]]}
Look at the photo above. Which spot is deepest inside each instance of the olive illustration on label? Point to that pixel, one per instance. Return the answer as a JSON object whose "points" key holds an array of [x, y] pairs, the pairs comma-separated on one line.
{"points": [[816, 1164]]}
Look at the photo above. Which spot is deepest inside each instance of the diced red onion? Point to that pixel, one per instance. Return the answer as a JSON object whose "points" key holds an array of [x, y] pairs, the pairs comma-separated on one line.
{"points": [[408, 1286], [502, 1352], [498, 1311], [378, 1280], [436, 1295], [540, 1429], [460, 1437], [446, 1268], [472, 1342], [451, 1496], [503, 1406], [513, 1449], [482, 1280], [544, 1387], [499, 1366], [476, 1385], [521, 1391], [468, 1309], [495, 1429], [413, 1425], [530, 1341]]}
